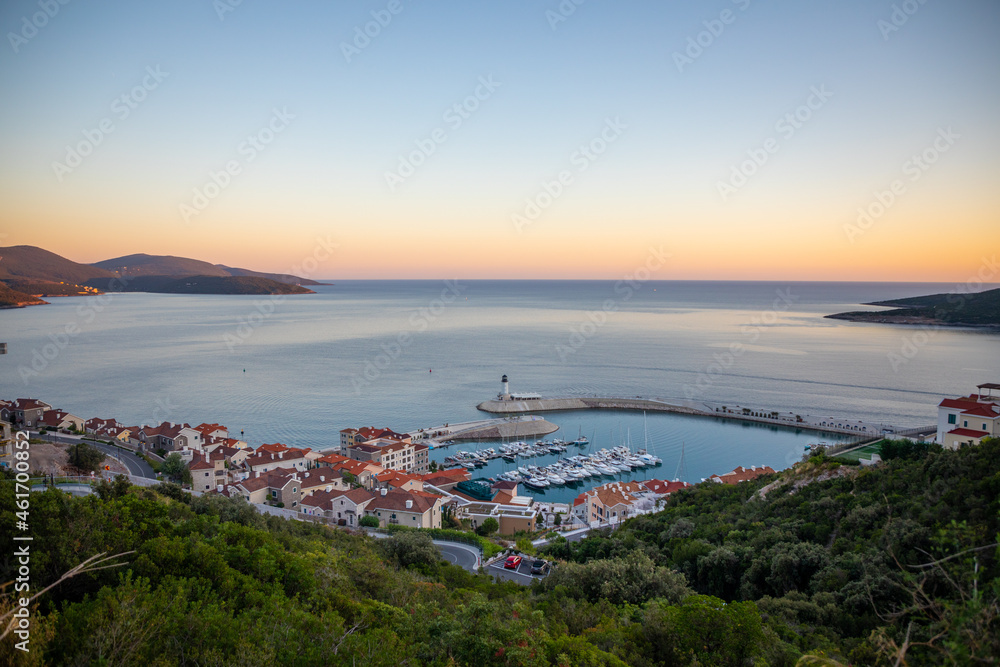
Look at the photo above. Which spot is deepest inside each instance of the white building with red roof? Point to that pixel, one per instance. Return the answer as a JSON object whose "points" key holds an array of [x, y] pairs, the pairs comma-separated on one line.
{"points": [[966, 420]]}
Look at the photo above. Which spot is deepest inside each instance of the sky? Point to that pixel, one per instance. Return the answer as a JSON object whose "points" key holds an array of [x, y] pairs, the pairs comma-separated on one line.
{"points": [[742, 139]]}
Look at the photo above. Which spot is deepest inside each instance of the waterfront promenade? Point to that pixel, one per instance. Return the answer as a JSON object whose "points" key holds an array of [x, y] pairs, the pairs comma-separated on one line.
{"points": [[828, 424]]}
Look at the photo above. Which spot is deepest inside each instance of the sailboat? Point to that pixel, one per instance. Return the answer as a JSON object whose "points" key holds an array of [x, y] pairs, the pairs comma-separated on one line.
{"points": [[680, 466]]}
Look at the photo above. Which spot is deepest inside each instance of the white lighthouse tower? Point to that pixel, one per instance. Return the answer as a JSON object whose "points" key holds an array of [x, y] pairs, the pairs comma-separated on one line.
{"points": [[504, 389]]}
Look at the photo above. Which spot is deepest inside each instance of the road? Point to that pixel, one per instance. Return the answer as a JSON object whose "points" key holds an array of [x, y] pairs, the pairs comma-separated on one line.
{"points": [[456, 553], [463, 555], [522, 575], [136, 465]]}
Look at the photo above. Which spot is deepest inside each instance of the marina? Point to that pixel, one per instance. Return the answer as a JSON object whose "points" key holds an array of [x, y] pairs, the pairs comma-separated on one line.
{"points": [[594, 447]]}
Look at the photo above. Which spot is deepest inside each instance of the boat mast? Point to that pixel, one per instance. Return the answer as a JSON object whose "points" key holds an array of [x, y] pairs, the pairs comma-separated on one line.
{"points": [[680, 466]]}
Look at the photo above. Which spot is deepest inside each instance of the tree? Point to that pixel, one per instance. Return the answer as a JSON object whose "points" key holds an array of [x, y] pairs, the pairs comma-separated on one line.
{"points": [[369, 521], [433, 467], [558, 520], [175, 469], [410, 548], [86, 457], [488, 527], [114, 489]]}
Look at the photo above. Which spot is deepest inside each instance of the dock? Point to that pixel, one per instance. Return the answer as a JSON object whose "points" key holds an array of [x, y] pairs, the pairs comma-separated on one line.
{"points": [[508, 428]]}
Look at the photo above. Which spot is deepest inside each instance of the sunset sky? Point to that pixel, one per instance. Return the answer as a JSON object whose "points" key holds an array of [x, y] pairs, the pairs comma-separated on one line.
{"points": [[688, 109]]}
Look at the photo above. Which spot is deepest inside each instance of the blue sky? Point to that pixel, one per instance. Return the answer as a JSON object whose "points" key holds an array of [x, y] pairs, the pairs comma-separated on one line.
{"points": [[658, 183]]}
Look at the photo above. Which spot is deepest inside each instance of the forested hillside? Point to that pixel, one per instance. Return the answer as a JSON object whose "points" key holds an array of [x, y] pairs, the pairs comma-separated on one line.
{"points": [[859, 567]]}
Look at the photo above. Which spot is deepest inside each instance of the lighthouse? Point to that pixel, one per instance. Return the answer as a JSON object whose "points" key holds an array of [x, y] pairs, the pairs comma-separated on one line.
{"points": [[504, 389]]}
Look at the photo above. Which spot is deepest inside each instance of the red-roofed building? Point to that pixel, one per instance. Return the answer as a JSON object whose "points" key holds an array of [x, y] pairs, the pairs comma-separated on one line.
{"points": [[322, 479], [663, 488], [60, 419], [741, 474], [269, 457], [344, 507], [609, 503], [966, 420], [447, 480], [107, 428], [24, 411], [406, 508], [394, 451], [208, 472], [393, 479], [170, 437]]}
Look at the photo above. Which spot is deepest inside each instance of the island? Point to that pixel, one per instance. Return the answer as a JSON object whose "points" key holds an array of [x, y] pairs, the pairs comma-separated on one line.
{"points": [[978, 309]]}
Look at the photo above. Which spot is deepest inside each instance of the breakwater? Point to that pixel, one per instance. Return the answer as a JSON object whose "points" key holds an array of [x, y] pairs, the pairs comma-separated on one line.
{"points": [[826, 424]]}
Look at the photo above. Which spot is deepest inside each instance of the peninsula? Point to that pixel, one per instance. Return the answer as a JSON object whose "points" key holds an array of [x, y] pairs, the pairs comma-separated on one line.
{"points": [[28, 273], [980, 309]]}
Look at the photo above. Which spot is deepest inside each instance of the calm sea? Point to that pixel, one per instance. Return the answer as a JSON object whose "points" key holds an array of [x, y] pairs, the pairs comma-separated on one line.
{"points": [[409, 354]]}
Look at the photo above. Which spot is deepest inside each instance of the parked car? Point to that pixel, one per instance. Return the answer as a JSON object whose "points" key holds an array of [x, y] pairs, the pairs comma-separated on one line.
{"points": [[540, 567], [512, 562]]}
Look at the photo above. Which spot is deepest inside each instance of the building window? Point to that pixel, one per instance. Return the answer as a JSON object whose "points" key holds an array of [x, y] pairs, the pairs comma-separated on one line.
{"points": [[951, 419], [965, 424]]}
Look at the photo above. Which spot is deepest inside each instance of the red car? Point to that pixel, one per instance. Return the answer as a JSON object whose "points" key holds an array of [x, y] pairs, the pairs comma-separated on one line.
{"points": [[512, 562]]}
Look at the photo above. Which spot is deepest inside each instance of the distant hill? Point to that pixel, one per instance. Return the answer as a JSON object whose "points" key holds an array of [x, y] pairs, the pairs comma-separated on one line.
{"points": [[32, 263], [209, 285], [979, 309], [13, 299], [142, 264]]}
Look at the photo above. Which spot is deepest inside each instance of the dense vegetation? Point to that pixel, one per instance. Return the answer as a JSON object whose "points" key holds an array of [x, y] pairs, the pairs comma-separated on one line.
{"points": [[841, 565], [980, 308], [858, 565], [205, 285], [47, 288], [11, 298]]}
